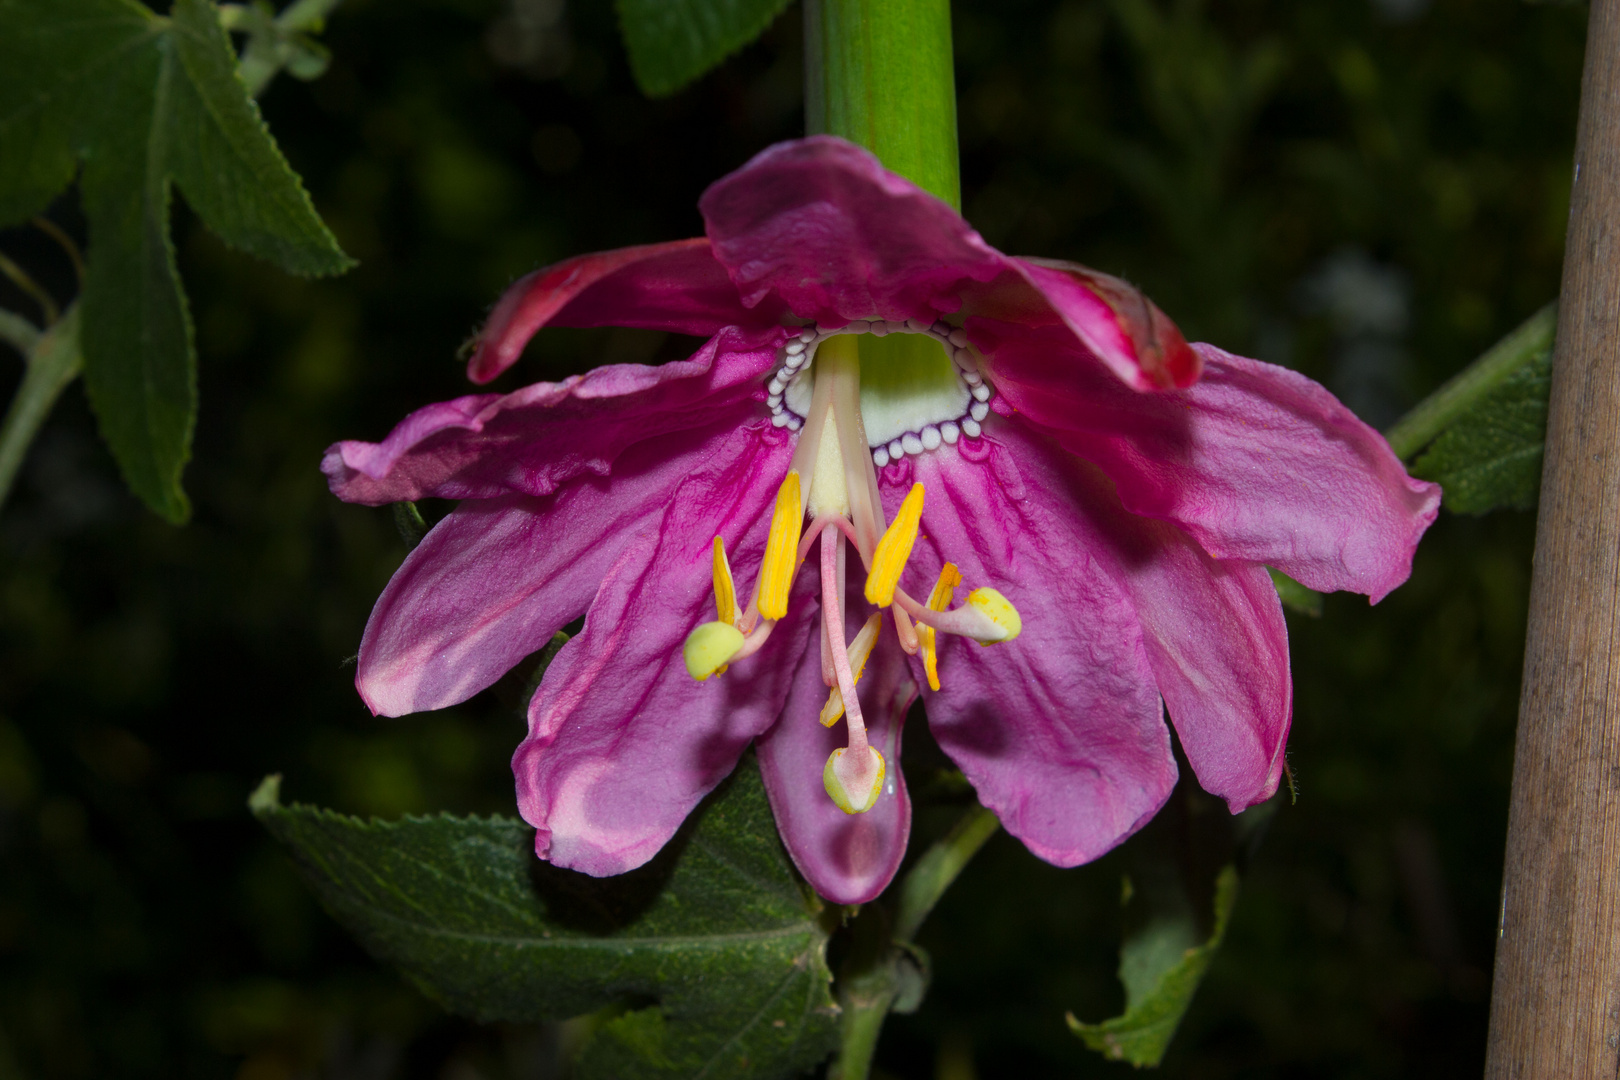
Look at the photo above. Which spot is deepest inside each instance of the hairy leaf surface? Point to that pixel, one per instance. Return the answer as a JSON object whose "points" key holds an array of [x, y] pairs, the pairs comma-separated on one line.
{"points": [[1491, 456], [716, 932]]}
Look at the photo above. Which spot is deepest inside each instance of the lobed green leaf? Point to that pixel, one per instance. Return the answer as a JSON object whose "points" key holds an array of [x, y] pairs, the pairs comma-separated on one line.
{"points": [[1178, 897], [716, 932], [144, 102], [1161, 965], [672, 42]]}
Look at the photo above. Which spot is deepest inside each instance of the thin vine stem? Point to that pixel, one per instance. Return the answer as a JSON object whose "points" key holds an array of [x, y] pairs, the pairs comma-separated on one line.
{"points": [[35, 291], [861, 1024], [939, 867], [1439, 410], [54, 361], [18, 332], [65, 242]]}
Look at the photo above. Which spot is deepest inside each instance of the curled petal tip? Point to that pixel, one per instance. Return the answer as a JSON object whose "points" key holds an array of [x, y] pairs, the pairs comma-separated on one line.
{"points": [[1162, 352], [670, 286], [709, 648], [853, 784], [1000, 620], [1118, 322]]}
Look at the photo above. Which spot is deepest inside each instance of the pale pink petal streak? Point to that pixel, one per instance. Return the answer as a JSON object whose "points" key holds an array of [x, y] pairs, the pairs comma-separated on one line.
{"points": [[623, 743]]}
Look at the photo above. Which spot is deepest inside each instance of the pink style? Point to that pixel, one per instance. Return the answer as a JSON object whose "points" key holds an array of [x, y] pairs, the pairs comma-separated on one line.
{"points": [[875, 378]]}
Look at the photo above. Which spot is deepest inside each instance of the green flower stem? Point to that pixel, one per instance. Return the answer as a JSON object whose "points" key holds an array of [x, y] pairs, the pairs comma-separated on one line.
{"points": [[1436, 412], [937, 869], [867, 995], [53, 362], [880, 73], [865, 1006]]}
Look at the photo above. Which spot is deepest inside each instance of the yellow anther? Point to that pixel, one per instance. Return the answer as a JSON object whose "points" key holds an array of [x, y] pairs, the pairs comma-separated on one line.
{"points": [[859, 650], [781, 549], [894, 549], [853, 789], [725, 592], [945, 588], [709, 648], [949, 578], [1001, 615]]}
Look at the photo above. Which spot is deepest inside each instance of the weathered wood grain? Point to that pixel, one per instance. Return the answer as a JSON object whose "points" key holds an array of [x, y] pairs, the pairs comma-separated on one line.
{"points": [[1555, 1002]]}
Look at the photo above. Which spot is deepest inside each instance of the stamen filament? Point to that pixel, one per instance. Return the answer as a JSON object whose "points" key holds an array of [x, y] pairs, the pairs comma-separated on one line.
{"points": [[854, 774], [842, 584], [906, 632], [833, 617], [755, 639], [987, 617], [822, 522], [810, 535], [860, 650], [829, 677]]}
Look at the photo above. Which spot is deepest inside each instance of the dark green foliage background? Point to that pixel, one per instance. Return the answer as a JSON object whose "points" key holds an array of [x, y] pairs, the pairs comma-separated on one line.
{"points": [[1220, 155]]}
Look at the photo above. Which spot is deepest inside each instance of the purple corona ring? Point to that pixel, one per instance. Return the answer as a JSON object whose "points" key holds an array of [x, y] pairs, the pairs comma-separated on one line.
{"points": [[1020, 493]]}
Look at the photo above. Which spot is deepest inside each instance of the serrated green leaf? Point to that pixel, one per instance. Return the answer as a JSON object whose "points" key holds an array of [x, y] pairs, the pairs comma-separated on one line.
{"points": [[144, 101], [1161, 965], [672, 42], [1184, 869], [716, 929], [1490, 457]]}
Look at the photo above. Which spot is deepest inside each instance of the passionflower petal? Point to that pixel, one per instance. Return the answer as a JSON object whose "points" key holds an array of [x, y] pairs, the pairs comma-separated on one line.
{"points": [[886, 408]]}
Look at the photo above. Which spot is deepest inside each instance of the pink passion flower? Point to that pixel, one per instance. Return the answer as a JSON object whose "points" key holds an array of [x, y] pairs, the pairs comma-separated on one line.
{"points": [[876, 379]]}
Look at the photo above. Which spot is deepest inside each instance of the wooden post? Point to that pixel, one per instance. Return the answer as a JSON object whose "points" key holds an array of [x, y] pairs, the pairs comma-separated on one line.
{"points": [[1555, 1000]]}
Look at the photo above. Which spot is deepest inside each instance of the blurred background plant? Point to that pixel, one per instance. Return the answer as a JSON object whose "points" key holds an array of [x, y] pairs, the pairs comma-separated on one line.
{"points": [[1371, 191]]}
